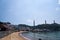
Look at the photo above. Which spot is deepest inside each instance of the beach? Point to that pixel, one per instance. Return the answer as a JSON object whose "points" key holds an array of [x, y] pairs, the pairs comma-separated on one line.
{"points": [[13, 36]]}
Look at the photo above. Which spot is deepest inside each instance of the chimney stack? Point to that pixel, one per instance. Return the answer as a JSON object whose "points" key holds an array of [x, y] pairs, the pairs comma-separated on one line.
{"points": [[33, 22], [45, 22], [54, 21]]}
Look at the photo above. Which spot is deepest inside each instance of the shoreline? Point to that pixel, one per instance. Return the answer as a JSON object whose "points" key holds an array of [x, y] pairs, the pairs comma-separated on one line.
{"points": [[23, 36], [14, 36]]}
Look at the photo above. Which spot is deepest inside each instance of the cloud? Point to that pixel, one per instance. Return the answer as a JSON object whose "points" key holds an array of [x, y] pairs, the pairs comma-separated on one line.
{"points": [[29, 20], [57, 9], [58, 1]]}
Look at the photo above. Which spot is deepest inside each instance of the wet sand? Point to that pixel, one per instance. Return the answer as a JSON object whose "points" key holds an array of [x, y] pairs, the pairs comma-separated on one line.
{"points": [[13, 36]]}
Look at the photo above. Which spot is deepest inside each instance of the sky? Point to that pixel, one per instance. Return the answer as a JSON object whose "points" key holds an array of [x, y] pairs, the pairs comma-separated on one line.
{"points": [[25, 11]]}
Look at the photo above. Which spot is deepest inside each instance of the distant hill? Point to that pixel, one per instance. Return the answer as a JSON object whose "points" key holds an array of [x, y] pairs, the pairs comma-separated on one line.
{"points": [[41, 27], [6, 26]]}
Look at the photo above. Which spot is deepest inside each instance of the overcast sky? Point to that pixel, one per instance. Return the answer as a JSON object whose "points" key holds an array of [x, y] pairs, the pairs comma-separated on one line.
{"points": [[25, 11]]}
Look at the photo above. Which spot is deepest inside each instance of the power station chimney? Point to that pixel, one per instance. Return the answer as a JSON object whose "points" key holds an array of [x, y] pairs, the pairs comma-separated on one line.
{"points": [[33, 22], [54, 21], [45, 22]]}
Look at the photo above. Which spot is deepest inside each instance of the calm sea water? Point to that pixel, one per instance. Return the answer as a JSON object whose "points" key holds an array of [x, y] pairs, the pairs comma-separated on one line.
{"points": [[43, 36]]}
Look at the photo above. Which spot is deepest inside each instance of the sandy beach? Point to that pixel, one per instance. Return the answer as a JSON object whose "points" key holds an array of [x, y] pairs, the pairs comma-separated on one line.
{"points": [[13, 36]]}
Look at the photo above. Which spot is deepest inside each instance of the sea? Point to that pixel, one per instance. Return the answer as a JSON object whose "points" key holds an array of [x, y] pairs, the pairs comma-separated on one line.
{"points": [[42, 35]]}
